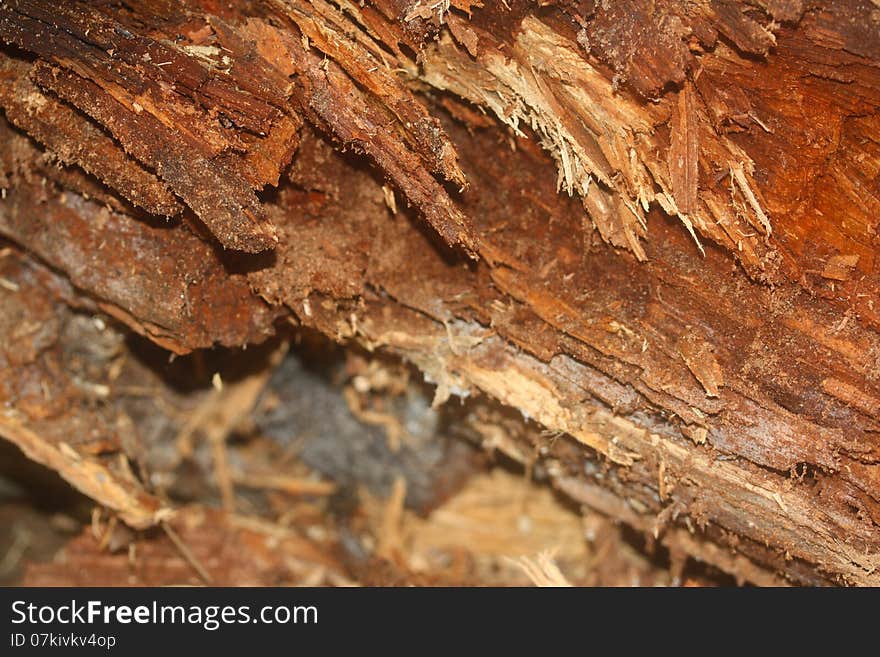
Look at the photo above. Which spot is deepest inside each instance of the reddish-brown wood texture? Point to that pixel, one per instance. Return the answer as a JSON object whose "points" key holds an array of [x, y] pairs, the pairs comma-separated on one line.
{"points": [[651, 227]]}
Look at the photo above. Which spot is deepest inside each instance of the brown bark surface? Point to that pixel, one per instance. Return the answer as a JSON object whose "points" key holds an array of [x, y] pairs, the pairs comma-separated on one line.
{"points": [[650, 228]]}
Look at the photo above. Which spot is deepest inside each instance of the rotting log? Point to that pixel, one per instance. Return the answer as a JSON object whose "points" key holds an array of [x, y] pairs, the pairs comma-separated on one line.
{"points": [[650, 227]]}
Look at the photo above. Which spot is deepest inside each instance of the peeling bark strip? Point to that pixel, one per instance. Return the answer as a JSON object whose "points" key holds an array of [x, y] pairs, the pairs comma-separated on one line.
{"points": [[726, 402], [165, 105], [321, 24], [684, 151], [337, 103], [134, 507], [230, 210], [71, 138]]}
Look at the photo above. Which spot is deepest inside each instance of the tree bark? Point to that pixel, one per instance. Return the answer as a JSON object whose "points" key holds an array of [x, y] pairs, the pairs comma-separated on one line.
{"points": [[649, 227]]}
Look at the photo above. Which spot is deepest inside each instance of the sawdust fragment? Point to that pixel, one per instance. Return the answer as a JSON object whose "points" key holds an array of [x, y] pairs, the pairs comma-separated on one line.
{"points": [[852, 396], [738, 175], [618, 454], [840, 267], [699, 357], [696, 433], [542, 570], [390, 536]]}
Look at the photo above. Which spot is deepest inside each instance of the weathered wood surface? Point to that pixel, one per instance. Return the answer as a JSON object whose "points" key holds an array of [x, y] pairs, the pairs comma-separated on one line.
{"points": [[650, 227]]}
